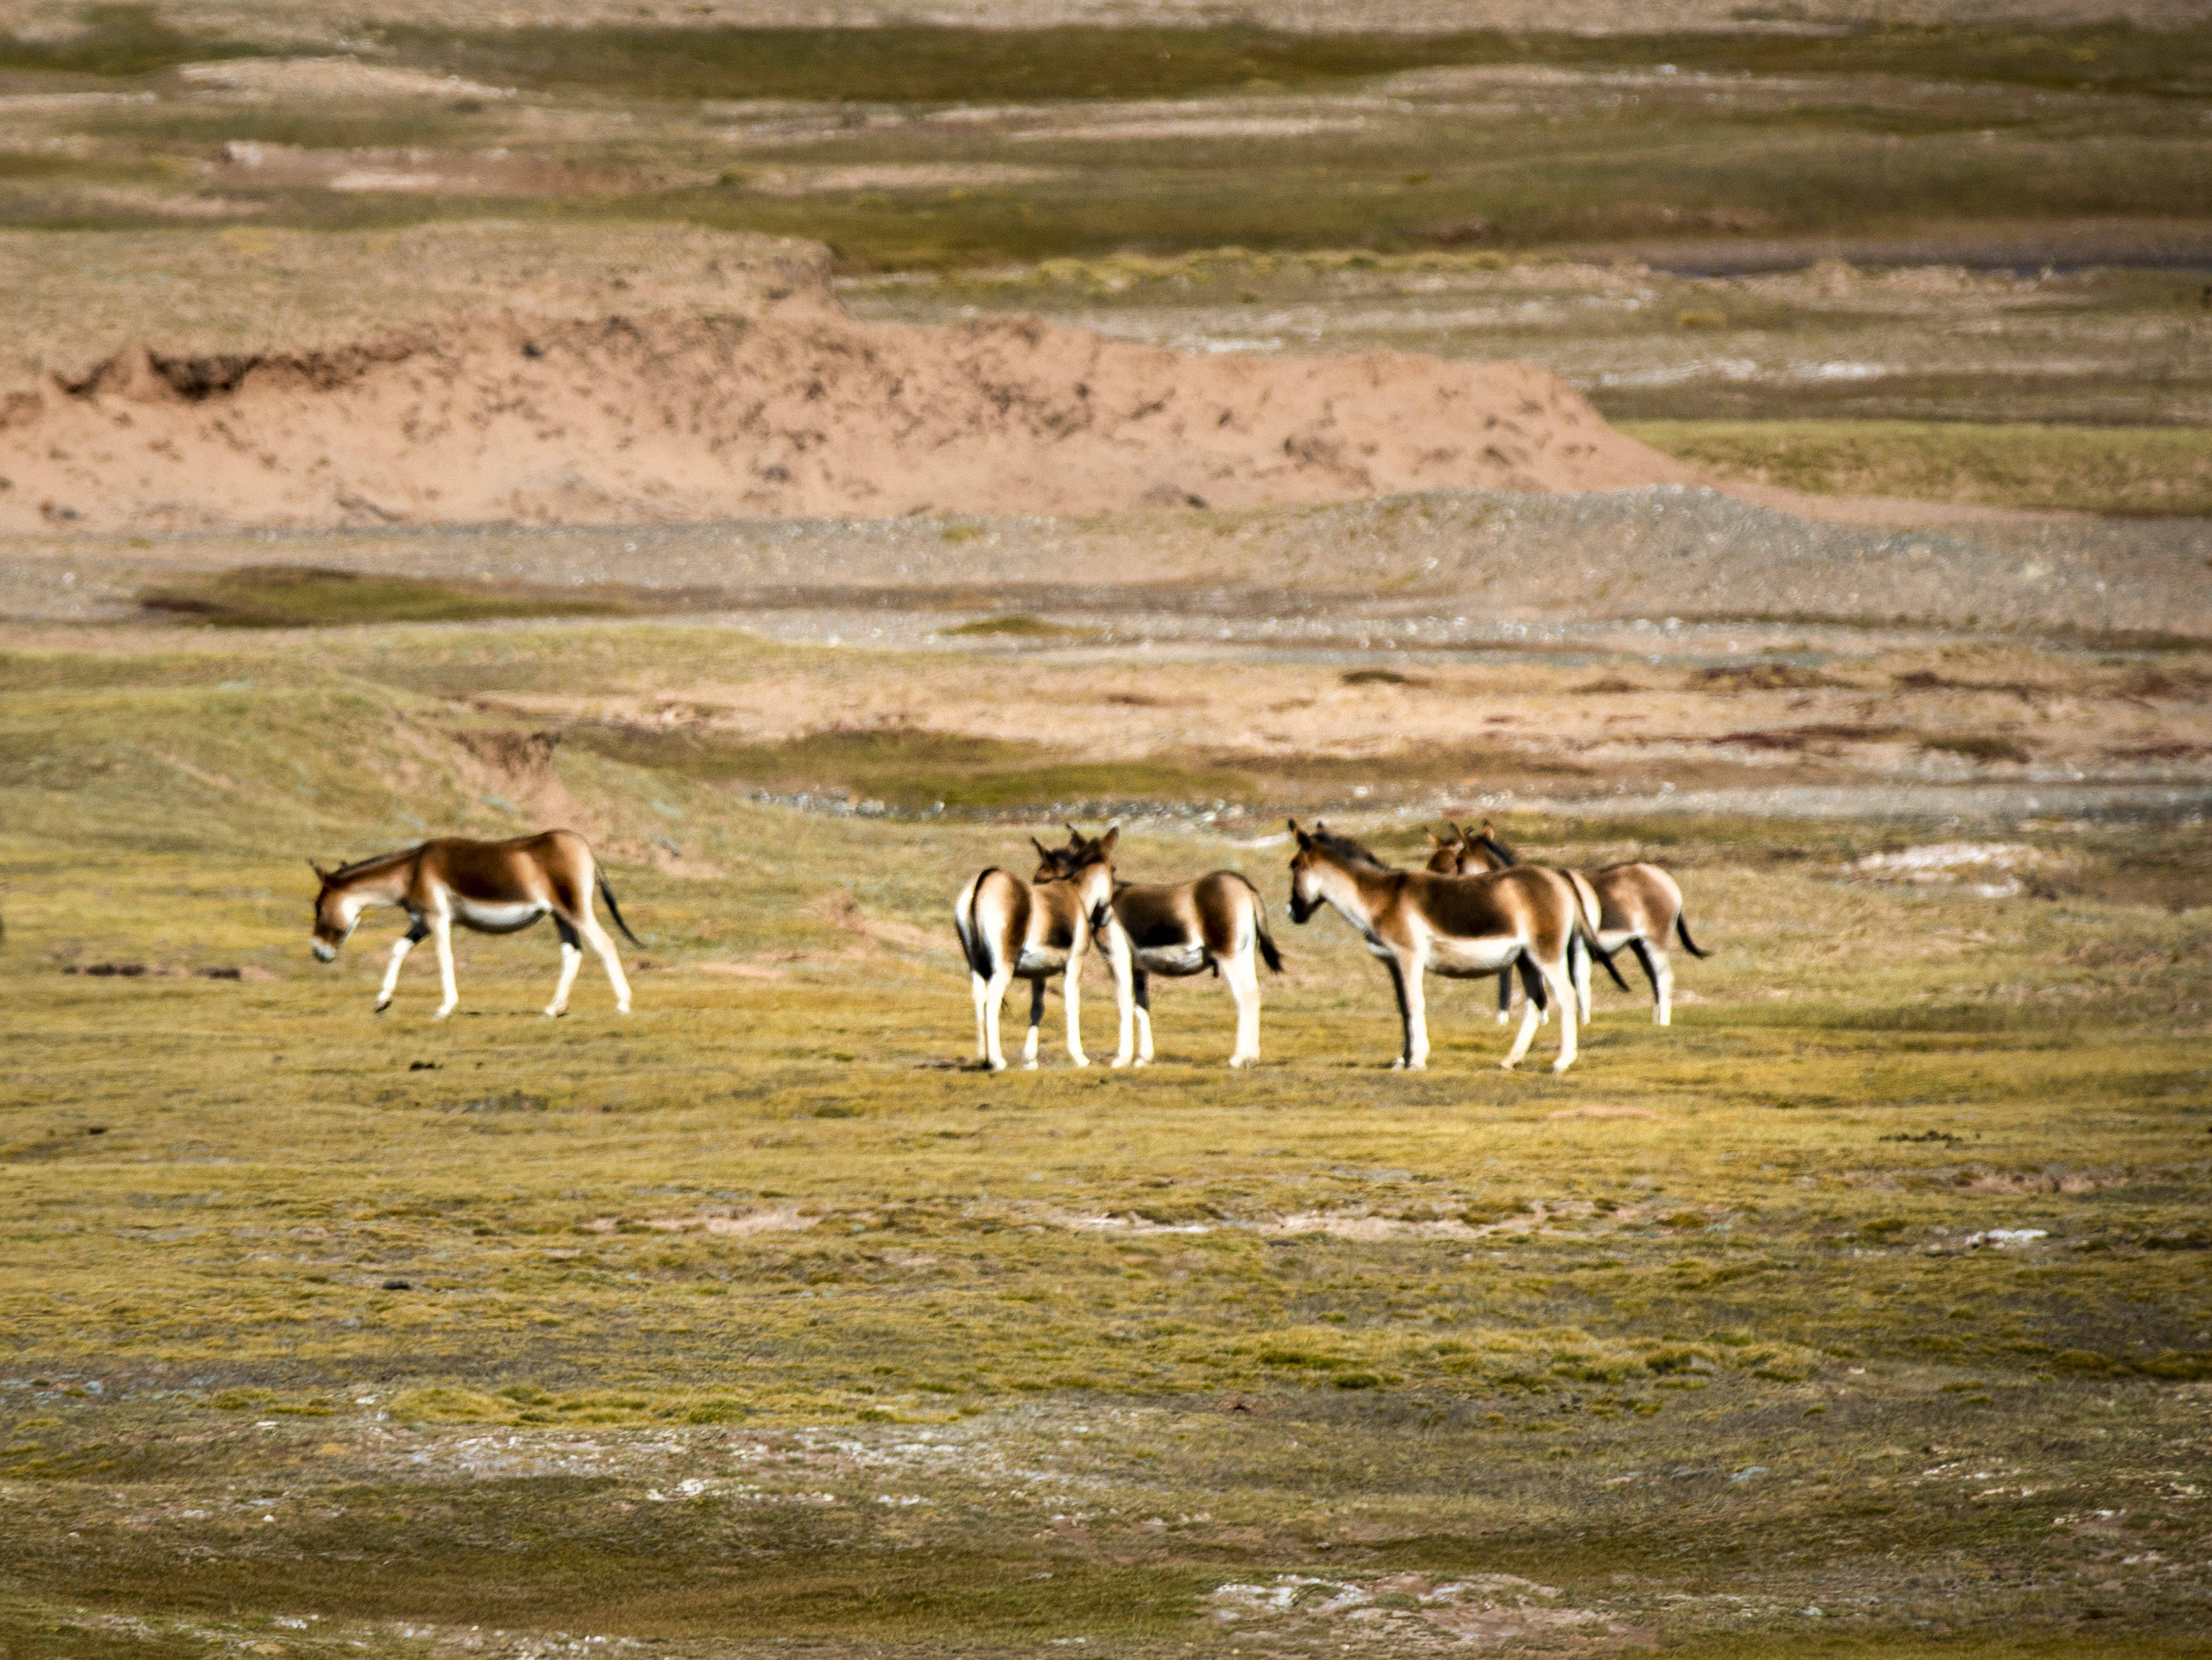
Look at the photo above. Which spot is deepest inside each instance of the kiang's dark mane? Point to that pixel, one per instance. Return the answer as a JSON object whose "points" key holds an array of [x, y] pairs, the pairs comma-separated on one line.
{"points": [[371, 862], [1345, 848], [1486, 839]]}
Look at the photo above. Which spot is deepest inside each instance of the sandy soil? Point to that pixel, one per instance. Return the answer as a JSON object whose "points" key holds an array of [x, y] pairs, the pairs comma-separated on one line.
{"points": [[776, 404]]}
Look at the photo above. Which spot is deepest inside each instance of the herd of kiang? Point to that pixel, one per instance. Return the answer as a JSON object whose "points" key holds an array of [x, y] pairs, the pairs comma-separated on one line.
{"points": [[1475, 912]]}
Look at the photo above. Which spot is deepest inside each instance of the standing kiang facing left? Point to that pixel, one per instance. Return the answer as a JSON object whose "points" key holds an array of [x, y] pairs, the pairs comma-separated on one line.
{"points": [[488, 887]]}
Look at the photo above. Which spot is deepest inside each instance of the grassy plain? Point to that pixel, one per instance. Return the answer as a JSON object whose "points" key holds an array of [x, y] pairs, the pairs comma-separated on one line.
{"points": [[2142, 470], [884, 141], [752, 1317]]}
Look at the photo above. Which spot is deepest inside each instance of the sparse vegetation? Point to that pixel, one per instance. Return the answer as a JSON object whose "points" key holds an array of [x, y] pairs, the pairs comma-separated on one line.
{"points": [[2142, 470], [668, 1247], [1017, 628], [302, 597]]}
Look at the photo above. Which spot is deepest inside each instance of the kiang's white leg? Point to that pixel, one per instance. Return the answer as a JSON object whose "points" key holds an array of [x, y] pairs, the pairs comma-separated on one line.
{"points": [[1522, 1039], [1037, 1020], [1144, 1037], [1069, 994], [1579, 958], [1662, 987], [1119, 959], [1243, 973], [1417, 1013], [1563, 989], [441, 936], [572, 959], [994, 998], [610, 960], [979, 989], [400, 948]]}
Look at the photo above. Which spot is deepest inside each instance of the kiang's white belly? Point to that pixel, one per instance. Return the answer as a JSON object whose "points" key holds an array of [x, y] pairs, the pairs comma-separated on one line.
{"points": [[1172, 959], [496, 917], [1472, 957], [1610, 940], [1040, 960]]}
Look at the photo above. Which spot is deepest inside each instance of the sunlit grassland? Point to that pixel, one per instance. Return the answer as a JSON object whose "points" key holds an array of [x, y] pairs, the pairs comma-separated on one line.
{"points": [[312, 1258], [2082, 469], [1654, 138]]}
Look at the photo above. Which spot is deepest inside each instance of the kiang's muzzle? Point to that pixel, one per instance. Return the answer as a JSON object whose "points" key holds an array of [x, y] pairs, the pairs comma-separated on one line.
{"points": [[1301, 909]]}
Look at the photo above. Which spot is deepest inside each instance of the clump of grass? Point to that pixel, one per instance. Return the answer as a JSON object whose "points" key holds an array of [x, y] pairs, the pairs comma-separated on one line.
{"points": [[2150, 470], [1978, 746], [912, 769], [117, 40], [1016, 626], [308, 596]]}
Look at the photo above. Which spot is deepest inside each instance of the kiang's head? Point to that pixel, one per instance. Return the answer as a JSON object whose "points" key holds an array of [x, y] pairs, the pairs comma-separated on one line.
{"points": [[1323, 856], [1447, 854], [336, 911], [1086, 861]]}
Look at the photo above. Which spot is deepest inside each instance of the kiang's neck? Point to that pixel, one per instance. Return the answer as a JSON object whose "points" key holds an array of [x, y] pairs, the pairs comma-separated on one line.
{"points": [[1351, 892], [380, 885]]}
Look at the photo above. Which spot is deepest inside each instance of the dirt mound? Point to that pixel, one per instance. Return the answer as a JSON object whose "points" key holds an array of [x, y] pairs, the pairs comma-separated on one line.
{"points": [[795, 410]]}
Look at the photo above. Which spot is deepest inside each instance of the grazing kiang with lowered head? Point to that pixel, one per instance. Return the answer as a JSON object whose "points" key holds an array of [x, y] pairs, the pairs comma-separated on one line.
{"points": [[1638, 906], [1420, 923], [489, 886], [1014, 929], [1218, 922]]}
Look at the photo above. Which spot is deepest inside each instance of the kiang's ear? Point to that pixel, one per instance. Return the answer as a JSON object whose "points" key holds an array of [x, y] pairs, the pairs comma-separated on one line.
{"points": [[1435, 840], [319, 870], [1304, 840], [1105, 843], [1074, 837], [1044, 852]]}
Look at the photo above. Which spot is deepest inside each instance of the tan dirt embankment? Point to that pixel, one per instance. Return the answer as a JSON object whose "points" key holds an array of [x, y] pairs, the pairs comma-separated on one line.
{"points": [[787, 407]]}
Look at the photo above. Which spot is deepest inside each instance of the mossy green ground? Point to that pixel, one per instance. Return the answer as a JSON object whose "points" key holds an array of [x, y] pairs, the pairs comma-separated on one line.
{"points": [[1573, 139], [2076, 469], [751, 1317]]}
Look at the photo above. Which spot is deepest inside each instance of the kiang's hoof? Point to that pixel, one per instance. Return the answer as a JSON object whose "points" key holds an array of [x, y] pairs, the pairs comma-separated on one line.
{"points": [[1507, 1066], [1079, 1060], [381, 1007], [555, 1013], [1561, 1066], [442, 1013]]}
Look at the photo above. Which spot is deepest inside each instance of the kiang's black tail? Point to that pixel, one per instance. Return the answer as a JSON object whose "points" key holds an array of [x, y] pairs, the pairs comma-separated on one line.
{"points": [[971, 943], [1682, 932], [607, 894], [1587, 938], [1268, 953]]}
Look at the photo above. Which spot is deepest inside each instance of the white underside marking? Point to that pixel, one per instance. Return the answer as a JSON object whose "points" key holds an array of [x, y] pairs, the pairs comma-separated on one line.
{"points": [[1035, 961], [1612, 939], [479, 913], [1178, 960], [1451, 957]]}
